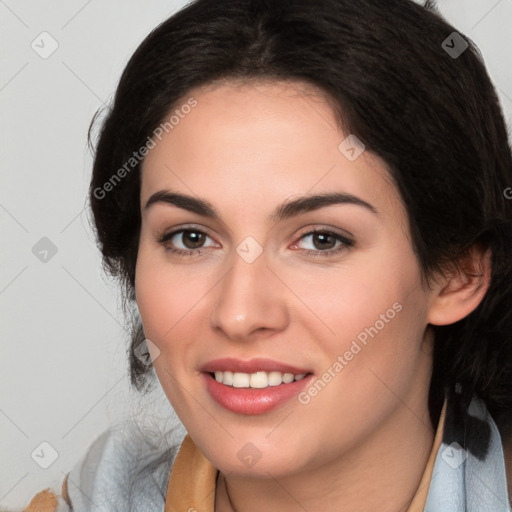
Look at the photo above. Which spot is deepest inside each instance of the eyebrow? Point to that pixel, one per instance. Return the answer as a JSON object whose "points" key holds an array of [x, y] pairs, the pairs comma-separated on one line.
{"points": [[286, 210]]}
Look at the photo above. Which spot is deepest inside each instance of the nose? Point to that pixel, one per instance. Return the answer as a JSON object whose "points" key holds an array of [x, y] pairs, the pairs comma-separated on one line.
{"points": [[250, 300]]}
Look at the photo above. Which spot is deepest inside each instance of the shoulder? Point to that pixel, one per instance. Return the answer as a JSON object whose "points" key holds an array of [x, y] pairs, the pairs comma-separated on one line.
{"points": [[123, 469]]}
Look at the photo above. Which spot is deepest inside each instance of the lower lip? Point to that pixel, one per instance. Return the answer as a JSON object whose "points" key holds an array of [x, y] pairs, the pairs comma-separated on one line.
{"points": [[253, 400]]}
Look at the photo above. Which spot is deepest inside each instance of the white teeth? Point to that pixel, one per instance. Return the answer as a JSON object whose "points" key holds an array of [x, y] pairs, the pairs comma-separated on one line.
{"points": [[256, 380], [275, 378], [241, 380], [288, 377]]}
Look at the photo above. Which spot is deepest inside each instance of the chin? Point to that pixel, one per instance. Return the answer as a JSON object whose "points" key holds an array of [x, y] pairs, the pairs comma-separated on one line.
{"points": [[244, 459]]}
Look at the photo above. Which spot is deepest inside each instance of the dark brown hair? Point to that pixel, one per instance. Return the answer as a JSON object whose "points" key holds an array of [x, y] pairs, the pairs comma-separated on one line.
{"points": [[433, 117]]}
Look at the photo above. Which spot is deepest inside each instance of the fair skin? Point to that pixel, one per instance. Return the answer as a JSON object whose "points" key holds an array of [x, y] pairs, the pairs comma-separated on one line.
{"points": [[363, 441]]}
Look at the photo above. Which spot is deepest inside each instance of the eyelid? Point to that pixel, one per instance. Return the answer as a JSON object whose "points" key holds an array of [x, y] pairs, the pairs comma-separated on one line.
{"points": [[166, 234], [321, 228]]}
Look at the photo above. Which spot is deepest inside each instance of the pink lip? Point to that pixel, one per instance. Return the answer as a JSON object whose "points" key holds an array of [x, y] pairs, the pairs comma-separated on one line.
{"points": [[252, 366], [251, 400]]}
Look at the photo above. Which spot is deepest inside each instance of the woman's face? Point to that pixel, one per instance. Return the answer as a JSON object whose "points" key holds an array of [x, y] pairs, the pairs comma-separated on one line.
{"points": [[345, 305]]}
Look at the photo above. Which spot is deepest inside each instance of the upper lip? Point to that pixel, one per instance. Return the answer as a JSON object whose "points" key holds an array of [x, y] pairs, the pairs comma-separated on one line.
{"points": [[251, 366]]}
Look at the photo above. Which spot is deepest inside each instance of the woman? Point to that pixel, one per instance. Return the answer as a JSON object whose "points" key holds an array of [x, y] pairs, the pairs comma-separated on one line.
{"points": [[307, 203]]}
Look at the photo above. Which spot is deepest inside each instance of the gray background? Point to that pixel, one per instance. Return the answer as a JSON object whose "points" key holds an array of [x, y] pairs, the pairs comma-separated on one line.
{"points": [[63, 361]]}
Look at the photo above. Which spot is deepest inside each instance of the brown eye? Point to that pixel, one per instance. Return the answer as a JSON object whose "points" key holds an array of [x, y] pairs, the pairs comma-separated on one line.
{"points": [[185, 241], [324, 243], [192, 239]]}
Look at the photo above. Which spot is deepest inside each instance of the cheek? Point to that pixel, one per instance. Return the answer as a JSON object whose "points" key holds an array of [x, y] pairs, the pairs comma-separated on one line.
{"points": [[362, 291], [167, 300], [165, 295], [372, 314]]}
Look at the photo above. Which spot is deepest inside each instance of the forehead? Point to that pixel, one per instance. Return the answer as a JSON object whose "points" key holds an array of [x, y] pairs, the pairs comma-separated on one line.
{"points": [[261, 139]]}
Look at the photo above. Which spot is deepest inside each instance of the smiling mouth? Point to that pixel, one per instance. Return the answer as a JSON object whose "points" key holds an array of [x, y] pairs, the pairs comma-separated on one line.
{"points": [[257, 380], [257, 392]]}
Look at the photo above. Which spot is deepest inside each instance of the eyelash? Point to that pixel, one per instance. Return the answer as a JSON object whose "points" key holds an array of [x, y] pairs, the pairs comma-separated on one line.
{"points": [[346, 243]]}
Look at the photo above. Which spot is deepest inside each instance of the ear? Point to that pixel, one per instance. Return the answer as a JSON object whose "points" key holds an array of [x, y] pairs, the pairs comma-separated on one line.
{"points": [[459, 291]]}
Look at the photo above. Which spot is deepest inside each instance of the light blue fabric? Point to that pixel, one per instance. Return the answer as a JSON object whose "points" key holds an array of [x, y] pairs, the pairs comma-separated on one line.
{"points": [[123, 472], [126, 470], [460, 481]]}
